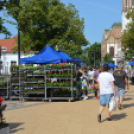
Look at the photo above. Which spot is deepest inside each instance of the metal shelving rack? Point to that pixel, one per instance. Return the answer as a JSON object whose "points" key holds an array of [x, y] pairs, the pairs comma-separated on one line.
{"points": [[15, 85], [4, 91], [71, 97], [33, 89], [31, 81]]}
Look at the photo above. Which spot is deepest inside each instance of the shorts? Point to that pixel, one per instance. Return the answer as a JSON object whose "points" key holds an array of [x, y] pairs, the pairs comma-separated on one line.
{"points": [[120, 92], [105, 99]]}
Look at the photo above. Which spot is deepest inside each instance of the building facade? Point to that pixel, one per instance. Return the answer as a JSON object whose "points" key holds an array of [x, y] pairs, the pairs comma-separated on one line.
{"points": [[110, 41], [126, 5], [8, 57]]}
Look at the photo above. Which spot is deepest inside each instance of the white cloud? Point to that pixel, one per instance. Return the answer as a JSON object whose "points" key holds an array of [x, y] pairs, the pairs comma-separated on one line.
{"points": [[97, 4]]}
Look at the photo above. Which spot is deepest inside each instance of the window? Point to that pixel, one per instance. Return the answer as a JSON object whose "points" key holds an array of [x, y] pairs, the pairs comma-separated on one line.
{"points": [[132, 2], [13, 62], [112, 51], [119, 54], [3, 49], [126, 3]]}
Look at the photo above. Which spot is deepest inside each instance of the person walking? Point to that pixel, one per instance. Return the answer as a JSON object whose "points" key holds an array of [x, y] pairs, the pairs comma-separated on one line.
{"points": [[78, 80], [107, 90], [95, 77], [90, 75], [120, 82], [85, 82], [111, 70], [126, 70], [132, 75]]}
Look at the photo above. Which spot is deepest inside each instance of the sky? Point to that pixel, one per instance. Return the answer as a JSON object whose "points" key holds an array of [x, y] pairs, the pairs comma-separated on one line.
{"points": [[97, 14]]}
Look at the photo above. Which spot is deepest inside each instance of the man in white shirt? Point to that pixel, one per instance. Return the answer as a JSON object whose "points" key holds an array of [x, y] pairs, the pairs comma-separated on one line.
{"points": [[107, 90]]}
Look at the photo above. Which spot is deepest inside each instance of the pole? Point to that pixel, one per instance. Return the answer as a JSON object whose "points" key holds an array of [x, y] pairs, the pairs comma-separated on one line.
{"points": [[0, 60], [18, 45], [94, 58], [95, 54], [19, 56]]}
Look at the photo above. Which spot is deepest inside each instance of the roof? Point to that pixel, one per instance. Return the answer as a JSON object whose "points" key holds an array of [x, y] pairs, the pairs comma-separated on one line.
{"points": [[117, 24], [8, 43]]}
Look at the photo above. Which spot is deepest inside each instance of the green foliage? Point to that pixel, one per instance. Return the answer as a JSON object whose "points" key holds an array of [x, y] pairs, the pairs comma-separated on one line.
{"points": [[128, 37], [47, 22], [3, 29], [108, 59], [93, 50]]}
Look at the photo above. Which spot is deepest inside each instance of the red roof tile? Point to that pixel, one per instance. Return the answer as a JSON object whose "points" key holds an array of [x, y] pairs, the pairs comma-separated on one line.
{"points": [[8, 43]]}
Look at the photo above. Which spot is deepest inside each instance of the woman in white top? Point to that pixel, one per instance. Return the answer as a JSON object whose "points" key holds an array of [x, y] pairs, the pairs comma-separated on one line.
{"points": [[107, 90], [90, 75]]}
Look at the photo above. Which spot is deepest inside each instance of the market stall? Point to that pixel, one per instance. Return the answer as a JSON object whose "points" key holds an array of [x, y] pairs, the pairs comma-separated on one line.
{"points": [[49, 81]]}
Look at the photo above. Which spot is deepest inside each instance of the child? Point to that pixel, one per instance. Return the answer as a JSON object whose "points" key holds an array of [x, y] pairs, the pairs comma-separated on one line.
{"points": [[84, 87]]}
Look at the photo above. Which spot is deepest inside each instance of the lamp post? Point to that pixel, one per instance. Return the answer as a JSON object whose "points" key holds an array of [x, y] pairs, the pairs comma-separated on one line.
{"points": [[0, 60]]}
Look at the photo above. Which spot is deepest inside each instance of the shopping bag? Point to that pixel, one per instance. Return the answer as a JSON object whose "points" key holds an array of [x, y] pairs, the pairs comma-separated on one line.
{"points": [[112, 104], [90, 87]]}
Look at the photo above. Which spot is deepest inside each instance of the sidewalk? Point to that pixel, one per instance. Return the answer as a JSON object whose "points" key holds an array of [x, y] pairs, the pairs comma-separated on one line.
{"points": [[78, 117]]}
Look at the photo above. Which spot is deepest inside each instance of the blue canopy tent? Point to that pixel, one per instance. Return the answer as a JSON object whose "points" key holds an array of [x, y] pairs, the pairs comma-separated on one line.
{"points": [[75, 60], [64, 56], [111, 65], [131, 63], [46, 55], [82, 63]]}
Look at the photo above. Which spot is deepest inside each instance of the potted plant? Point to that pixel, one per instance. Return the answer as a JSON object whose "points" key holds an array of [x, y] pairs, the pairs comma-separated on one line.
{"points": [[67, 66], [54, 66], [59, 66], [48, 67]]}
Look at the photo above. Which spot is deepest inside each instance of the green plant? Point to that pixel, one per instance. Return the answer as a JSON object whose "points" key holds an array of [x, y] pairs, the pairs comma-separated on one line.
{"points": [[14, 67], [67, 84], [47, 66], [54, 66], [59, 66], [49, 84], [67, 66], [41, 72]]}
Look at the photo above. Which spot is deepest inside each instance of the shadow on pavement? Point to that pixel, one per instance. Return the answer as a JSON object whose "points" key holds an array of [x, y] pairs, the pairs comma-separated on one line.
{"points": [[127, 105], [14, 127], [117, 117], [127, 99]]}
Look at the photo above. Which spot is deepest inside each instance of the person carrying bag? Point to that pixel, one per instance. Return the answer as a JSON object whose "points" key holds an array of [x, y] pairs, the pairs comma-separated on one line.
{"points": [[95, 82]]}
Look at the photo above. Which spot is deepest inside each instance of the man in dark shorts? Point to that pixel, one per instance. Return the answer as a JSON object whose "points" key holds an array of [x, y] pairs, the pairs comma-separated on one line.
{"points": [[120, 82]]}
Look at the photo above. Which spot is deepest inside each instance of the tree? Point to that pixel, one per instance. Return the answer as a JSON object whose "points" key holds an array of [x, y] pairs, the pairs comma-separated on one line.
{"points": [[48, 22], [3, 29], [128, 36], [108, 59], [93, 53]]}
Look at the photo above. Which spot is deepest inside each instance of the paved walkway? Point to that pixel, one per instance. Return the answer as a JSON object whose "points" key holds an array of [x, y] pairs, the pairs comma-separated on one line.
{"points": [[78, 117]]}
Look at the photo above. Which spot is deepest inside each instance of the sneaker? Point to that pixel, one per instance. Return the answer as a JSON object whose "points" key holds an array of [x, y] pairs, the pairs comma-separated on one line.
{"points": [[87, 97], [99, 118], [119, 106], [84, 98], [109, 119], [96, 97]]}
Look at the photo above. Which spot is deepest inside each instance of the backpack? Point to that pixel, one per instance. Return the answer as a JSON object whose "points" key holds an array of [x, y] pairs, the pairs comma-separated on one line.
{"points": [[85, 82]]}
